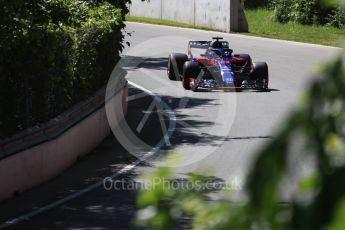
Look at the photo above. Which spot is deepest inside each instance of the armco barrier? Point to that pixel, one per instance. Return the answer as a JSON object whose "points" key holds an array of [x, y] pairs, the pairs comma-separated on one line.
{"points": [[35, 156], [225, 15]]}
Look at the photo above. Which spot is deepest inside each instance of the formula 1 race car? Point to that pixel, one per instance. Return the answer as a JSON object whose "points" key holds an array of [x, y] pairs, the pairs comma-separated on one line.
{"points": [[217, 68]]}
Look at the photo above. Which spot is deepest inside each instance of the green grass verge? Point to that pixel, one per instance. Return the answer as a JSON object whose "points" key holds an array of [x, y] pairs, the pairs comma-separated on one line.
{"points": [[261, 24], [166, 23]]}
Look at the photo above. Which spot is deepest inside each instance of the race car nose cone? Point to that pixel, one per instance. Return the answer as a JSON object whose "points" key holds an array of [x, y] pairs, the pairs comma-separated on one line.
{"points": [[228, 77]]}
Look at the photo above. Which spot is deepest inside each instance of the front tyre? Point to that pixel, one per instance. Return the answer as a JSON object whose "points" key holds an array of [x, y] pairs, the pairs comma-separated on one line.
{"points": [[191, 71], [186, 83], [260, 75]]}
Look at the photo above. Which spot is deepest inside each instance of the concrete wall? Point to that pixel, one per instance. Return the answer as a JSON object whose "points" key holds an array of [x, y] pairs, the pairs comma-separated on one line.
{"points": [[148, 10], [184, 14], [38, 164], [213, 13], [225, 15]]}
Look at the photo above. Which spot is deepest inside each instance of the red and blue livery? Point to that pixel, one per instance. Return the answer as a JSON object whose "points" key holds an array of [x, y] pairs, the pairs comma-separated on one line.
{"points": [[217, 68]]}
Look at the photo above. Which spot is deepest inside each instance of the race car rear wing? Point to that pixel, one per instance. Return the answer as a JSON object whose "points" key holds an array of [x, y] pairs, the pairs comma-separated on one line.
{"points": [[203, 45]]}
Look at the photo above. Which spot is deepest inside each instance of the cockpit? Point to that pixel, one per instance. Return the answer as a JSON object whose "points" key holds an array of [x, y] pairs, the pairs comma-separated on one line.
{"points": [[219, 53]]}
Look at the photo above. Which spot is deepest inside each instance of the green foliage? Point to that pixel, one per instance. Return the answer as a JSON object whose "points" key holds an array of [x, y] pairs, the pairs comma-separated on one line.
{"points": [[337, 18], [169, 200], [308, 12], [256, 3], [54, 53], [282, 9], [319, 123]]}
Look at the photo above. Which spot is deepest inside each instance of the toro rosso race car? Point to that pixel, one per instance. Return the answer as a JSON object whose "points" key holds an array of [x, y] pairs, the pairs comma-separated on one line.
{"points": [[217, 68]]}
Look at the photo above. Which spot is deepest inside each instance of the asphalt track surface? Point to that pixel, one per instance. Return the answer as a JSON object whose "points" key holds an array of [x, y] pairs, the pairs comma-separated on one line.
{"points": [[216, 132]]}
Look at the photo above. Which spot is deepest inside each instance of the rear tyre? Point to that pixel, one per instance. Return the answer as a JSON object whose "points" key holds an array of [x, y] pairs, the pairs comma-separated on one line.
{"points": [[247, 58], [260, 73], [175, 66], [185, 84], [191, 70]]}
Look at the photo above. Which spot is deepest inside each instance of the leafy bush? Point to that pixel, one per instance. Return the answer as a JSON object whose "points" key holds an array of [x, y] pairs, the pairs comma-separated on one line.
{"points": [[54, 53], [282, 10], [337, 18], [308, 12]]}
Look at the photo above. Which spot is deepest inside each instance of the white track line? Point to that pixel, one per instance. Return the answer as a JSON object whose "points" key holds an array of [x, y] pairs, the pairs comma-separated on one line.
{"points": [[96, 185]]}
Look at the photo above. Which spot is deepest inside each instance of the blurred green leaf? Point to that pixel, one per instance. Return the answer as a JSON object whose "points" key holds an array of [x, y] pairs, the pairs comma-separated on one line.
{"points": [[308, 183], [338, 222]]}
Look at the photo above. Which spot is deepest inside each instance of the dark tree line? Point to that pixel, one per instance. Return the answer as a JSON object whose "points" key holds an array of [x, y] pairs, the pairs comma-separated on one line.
{"points": [[53, 54]]}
